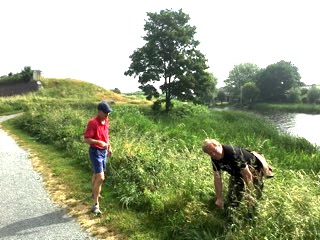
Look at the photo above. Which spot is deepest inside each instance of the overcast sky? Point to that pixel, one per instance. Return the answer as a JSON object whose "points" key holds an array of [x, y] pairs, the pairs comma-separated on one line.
{"points": [[91, 40]]}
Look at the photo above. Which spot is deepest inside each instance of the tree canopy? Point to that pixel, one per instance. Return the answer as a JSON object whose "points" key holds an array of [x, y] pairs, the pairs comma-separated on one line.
{"points": [[314, 94], [250, 93], [170, 55], [239, 76], [276, 80], [24, 76]]}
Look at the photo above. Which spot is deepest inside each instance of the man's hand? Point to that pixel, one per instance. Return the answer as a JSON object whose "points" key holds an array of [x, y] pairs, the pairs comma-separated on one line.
{"points": [[220, 203], [109, 152], [103, 144]]}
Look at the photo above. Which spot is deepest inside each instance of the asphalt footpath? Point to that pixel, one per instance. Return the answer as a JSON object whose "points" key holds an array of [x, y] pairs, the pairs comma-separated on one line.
{"points": [[26, 211]]}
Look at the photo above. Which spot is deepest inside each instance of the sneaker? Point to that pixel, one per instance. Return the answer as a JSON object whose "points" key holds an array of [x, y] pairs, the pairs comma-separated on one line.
{"points": [[95, 209]]}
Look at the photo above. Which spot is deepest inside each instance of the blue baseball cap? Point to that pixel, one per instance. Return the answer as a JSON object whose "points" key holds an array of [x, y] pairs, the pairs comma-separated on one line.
{"points": [[104, 107]]}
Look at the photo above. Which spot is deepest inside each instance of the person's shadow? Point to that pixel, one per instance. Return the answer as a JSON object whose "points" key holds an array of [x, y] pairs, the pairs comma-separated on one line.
{"points": [[30, 225]]}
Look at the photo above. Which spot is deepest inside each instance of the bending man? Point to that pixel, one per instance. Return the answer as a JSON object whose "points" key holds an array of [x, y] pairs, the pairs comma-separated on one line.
{"points": [[246, 171]]}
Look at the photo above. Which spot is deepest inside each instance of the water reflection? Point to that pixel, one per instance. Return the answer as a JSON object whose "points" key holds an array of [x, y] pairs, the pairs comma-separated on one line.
{"points": [[298, 124]]}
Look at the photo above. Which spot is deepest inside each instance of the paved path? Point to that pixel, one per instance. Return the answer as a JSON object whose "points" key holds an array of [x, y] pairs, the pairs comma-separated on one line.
{"points": [[26, 212]]}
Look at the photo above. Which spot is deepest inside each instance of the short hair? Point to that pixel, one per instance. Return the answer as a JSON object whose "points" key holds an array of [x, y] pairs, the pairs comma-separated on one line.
{"points": [[207, 142]]}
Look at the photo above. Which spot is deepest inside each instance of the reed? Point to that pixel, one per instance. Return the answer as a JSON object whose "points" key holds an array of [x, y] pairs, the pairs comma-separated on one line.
{"points": [[297, 108]]}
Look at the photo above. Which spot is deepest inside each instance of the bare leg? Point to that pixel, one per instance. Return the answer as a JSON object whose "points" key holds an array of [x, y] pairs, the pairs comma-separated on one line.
{"points": [[97, 181], [92, 182]]}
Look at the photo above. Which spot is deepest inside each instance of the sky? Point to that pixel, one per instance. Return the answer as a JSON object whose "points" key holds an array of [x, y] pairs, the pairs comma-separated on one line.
{"points": [[91, 40]]}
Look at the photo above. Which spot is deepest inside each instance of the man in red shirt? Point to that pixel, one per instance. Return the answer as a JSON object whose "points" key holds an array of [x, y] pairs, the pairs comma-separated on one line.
{"points": [[97, 136]]}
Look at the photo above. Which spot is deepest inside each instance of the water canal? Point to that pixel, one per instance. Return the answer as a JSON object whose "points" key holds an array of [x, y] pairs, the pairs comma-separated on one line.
{"points": [[297, 124]]}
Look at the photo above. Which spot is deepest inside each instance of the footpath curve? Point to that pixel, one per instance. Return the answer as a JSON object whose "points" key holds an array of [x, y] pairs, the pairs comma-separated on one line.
{"points": [[26, 211]]}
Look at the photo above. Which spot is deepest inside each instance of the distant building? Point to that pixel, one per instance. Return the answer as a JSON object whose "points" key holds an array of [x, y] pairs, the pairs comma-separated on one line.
{"points": [[36, 75]]}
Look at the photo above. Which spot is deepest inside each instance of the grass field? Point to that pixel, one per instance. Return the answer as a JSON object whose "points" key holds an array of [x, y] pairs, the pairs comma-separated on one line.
{"points": [[159, 183]]}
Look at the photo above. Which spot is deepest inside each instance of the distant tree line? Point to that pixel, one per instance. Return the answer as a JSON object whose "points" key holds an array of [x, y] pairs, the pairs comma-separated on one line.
{"points": [[169, 61], [24, 76], [277, 83]]}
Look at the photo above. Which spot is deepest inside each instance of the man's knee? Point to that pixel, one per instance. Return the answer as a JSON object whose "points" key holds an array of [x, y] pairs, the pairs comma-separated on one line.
{"points": [[100, 177]]}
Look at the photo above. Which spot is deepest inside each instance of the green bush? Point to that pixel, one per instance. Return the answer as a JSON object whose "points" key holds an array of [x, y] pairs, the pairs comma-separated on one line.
{"points": [[12, 104], [62, 127]]}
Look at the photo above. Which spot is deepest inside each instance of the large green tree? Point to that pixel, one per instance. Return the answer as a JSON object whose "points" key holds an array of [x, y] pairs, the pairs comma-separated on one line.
{"points": [[314, 94], [276, 80], [249, 93], [239, 76], [170, 56], [221, 95], [26, 74]]}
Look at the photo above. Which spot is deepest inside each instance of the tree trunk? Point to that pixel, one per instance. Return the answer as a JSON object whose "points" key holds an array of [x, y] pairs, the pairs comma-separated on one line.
{"points": [[168, 95]]}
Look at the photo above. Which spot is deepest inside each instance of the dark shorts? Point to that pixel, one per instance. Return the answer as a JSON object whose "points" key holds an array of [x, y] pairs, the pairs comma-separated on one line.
{"points": [[98, 159]]}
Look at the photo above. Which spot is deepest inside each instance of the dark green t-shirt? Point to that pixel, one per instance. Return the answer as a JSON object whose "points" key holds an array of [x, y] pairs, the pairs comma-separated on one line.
{"points": [[235, 159]]}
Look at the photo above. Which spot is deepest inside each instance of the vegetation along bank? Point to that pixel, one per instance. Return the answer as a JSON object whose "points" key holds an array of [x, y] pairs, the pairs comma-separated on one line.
{"points": [[159, 183]]}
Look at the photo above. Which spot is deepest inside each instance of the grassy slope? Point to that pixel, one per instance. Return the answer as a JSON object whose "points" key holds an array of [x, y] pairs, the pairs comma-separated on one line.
{"points": [[160, 184], [66, 91]]}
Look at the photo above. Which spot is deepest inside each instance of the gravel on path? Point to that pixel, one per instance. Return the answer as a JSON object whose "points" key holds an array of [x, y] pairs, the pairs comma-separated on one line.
{"points": [[26, 211]]}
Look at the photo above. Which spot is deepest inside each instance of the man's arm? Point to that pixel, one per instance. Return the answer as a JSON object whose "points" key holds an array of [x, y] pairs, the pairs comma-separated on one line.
{"points": [[247, 177], [96, 142], [218, 188], [109, 149]]}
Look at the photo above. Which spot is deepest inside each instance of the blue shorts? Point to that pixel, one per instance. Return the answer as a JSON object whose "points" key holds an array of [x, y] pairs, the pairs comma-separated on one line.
{"points": [[98, 159]]}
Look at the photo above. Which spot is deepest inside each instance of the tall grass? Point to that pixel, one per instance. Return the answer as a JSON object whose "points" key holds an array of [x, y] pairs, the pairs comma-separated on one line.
{"points": [[158, 167], [162, 181]]}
